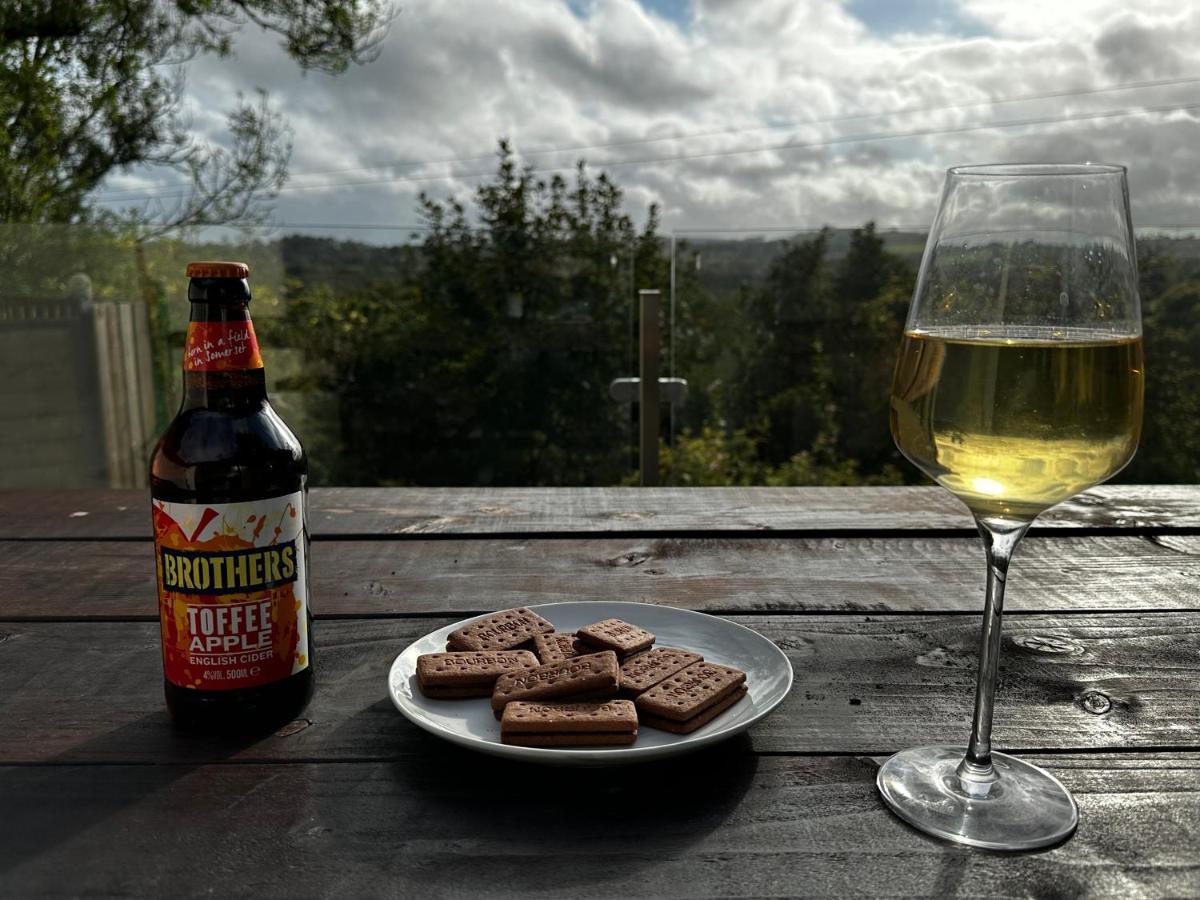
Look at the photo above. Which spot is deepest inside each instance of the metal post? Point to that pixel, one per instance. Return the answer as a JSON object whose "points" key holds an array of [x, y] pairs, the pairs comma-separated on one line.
{"points": [[649, 302], [671, 338]]}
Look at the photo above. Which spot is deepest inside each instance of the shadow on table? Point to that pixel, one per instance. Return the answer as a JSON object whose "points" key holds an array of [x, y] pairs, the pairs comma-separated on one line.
{"points": [[35, 795], [559, 821]]}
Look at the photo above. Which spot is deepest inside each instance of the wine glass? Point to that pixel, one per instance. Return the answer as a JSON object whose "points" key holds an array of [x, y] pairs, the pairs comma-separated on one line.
{"points": [[1018, 385]]}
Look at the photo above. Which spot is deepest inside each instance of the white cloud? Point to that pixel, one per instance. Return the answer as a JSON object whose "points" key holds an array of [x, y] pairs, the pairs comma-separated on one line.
{"points": [[1023, 19], [455, 76]]}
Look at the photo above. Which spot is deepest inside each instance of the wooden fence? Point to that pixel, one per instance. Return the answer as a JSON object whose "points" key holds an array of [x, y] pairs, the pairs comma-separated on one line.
{"points": [[76, 391]]}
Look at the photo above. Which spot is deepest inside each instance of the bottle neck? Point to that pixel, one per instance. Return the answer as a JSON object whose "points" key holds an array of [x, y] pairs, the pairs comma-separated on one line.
{"points": [[222, 366]]}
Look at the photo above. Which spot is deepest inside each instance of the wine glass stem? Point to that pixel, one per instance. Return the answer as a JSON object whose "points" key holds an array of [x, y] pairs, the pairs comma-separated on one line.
{"points": [[999, 542]]}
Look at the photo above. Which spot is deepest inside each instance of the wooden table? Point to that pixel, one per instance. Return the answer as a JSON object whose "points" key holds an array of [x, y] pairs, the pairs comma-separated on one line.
{"points": [[874, 593]]}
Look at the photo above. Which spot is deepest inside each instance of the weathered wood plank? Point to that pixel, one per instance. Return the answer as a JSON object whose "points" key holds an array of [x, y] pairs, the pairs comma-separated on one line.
{"points": [[418, 512], [90, 579], [459, 825], [90, 692]]}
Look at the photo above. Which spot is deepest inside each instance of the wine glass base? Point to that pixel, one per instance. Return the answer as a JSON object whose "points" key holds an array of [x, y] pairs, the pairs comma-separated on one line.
{"points": [[1026, 807]]}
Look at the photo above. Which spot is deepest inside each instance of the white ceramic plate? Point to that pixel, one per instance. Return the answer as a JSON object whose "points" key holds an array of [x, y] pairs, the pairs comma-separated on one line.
{"points": [[472, 724]]}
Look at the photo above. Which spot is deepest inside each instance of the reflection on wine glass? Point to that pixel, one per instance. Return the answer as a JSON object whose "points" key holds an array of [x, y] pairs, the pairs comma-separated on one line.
{"points": [[1018, 384]]}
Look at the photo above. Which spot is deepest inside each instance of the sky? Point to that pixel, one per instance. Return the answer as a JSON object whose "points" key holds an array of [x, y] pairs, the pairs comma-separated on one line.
{"points": [[728, 114]]}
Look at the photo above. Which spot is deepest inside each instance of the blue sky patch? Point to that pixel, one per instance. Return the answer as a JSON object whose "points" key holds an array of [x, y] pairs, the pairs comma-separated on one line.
{"points": [[677, 11], [888, 17]]}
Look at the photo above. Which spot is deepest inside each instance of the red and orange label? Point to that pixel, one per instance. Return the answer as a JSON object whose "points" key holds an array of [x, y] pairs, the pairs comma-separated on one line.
{"points": [[233, 591], [221, 347]]}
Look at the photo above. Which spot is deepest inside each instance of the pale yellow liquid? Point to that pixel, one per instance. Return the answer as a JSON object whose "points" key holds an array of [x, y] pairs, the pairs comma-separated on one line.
{"points": [[1013, 421]]}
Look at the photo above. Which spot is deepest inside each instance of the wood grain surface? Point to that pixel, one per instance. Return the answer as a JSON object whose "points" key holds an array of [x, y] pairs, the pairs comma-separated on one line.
{"points": [[92, 692], [115, 579], [874, 594], [432, 512], [461, 825]]}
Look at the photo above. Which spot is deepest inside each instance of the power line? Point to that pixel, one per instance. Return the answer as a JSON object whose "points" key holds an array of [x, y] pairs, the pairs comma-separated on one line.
{"points": [[1026, 98], [353, 226], [741, 229], [787, 146], [787, 229]]}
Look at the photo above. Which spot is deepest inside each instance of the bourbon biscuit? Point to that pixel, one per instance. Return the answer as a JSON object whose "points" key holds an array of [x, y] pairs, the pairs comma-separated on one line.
{"points": [[470, 673], [569, 724], [688, 693], [621, 637], [590, 697], [586, 697], [560, 718], [503, 630], [593, 675], [556, 646], [697, 721], [641, 672]]}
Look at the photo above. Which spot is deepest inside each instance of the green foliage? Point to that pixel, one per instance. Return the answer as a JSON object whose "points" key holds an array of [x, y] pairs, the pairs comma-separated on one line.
{"points": [[777, 389], [455, 362], [1170, 289], [92, 86], [32, 258], [485, 358], [490, 362], [711, 458], [807, 363], [1171, 443], [458, 361], [483, 355], [715, 458]]}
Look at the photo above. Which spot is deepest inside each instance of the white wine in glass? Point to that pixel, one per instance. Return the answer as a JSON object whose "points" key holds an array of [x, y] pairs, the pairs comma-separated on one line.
{"points": [[1018, 384], [1013, 421]]}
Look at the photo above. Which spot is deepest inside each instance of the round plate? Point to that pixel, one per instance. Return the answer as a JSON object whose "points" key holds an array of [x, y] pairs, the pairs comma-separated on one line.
{"points": [[472, 724]]}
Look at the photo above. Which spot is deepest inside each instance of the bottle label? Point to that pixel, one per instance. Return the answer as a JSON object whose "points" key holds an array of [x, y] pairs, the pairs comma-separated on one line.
{"points": [[233, 591], [221, 347]]}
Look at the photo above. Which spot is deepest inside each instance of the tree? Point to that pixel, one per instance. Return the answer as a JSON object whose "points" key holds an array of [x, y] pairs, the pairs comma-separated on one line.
{"points": [[815, 363], [862, 324], [88, 87], [1172, 423], [778, 393], [490, 363]]}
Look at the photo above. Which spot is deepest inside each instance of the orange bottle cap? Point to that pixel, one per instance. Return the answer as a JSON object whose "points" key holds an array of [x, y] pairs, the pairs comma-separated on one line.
{"points": [[218, 269]]}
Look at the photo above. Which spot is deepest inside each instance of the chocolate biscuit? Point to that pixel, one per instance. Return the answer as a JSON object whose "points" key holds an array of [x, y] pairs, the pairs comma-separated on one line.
{"points": [[594, 675], [689, 693], [470, 673], [610, 715], [503, 630], [641, 672], [588, 697], [689, 725], [556, 647], [621, 637], [569, 724]]}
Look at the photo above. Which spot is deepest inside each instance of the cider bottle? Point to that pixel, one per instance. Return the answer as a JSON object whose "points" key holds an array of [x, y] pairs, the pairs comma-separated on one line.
{"points": [[228, 482]]}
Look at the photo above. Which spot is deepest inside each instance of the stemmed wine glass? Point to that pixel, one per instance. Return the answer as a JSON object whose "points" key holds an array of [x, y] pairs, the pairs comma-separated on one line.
{"points": [[1018, 385]]}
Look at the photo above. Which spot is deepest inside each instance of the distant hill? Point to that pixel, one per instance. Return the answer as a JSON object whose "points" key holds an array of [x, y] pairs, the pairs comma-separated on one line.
{"points": [[727, 264], [348, 265]]}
